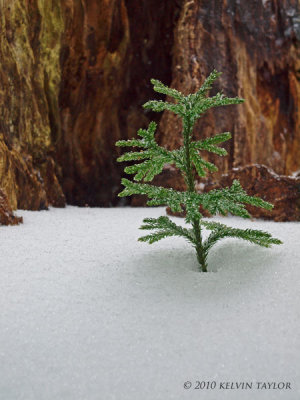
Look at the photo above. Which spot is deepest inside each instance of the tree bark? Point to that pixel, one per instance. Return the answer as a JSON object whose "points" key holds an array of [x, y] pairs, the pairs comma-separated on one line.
{"points": [[6, 214], [110, 52], [74, 76], [29, 77], [256, 46]]}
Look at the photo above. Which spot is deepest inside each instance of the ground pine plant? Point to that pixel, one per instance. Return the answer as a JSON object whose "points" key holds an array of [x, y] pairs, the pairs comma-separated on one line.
{"points": [[151, 159]]}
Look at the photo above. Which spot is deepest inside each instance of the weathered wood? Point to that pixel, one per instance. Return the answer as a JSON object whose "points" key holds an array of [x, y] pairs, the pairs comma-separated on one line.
{"points": [[110, 52], [256, 45], [29, 77], [74, 74], [7, 216]]}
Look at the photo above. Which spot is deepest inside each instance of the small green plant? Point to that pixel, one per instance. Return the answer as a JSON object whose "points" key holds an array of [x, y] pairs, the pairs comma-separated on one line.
{"points": [[188, 159]]}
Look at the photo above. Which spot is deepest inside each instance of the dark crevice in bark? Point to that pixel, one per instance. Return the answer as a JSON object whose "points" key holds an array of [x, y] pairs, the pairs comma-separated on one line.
{"points": [[101, 99]]}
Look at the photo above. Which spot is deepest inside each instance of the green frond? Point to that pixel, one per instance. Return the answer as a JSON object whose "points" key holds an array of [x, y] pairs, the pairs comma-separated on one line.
{"points": [[158, 195], [222, 201], [231, 200], [134, 155], [161, 88], [177, 157], [216, 101], [155, 237], [220, 231], [208, 165], [147, 141], [257, 202], [219, 138], [200, 164], [207, 84], [148, 169], [209, 143], [159, 105], [130, 143], [221, 100], [148, 134], [165, 225], [242, 196], [155, 168], [154, 155]]}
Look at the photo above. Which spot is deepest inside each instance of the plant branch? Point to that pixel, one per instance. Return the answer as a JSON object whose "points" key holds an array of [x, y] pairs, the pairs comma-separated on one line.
{"points": [[187, 132]]}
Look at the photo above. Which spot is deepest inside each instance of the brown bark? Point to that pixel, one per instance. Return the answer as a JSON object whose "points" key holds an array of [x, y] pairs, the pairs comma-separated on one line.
{"points": [[29, 76], [6, 214], [255, 45], [110, 51], [74, 75]]}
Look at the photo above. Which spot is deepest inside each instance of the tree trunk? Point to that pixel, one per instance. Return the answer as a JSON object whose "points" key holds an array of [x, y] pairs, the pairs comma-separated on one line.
{"points": [[74, 76], [110, 52], [256, 46], [30, 34]]}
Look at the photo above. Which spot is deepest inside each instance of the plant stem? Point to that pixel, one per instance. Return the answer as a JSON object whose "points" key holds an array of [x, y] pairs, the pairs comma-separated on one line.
{"points": [[189, 178], [199, 247]]}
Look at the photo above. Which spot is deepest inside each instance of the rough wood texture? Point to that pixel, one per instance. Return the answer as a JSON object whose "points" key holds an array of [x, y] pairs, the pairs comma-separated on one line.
{"points": [[94, 51], [74, 75], [6, 214], [110, 51], [256, 45], [73, 78], [29, 77]]}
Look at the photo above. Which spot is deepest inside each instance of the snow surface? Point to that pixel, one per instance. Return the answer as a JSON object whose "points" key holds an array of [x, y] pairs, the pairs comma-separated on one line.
{"points": [[89, 313]]}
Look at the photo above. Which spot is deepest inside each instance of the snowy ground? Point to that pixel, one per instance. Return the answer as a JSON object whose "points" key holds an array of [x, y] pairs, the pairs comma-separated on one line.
{"points": [[89, 313]]}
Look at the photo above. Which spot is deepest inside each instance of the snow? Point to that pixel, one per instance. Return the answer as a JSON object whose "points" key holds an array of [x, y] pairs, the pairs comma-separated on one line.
{"points": [[89, 313], [295, 174]]}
